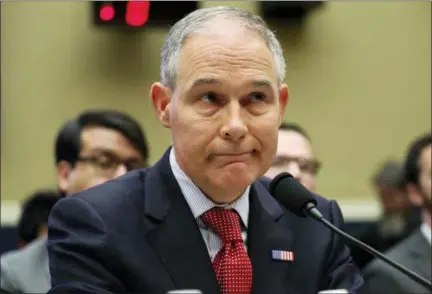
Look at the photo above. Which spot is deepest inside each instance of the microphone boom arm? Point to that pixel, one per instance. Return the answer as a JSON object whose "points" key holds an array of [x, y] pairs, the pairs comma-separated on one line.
{"points": [[313, 212]]}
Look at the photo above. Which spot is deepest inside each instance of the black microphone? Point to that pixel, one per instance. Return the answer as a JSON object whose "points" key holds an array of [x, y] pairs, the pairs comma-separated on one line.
{"points": [[296, 198]]}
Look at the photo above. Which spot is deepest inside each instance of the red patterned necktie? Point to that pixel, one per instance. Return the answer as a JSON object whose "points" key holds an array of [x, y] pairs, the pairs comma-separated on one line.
{"points": [[232, 265]]}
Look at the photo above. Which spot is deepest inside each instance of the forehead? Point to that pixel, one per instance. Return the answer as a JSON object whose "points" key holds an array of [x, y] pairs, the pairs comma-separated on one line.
{"points": [[100, 138], [226, 51], [293, 144]]}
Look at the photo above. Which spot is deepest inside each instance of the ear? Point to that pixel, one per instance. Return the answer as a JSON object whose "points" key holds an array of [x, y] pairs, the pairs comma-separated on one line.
{"points": [[283, 100], [63, 170], [414, 195], [161, 100]]}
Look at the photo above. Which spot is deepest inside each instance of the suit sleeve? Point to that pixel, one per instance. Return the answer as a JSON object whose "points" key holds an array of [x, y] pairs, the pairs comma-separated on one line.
{"points": [[341, 271], [78, 253]]}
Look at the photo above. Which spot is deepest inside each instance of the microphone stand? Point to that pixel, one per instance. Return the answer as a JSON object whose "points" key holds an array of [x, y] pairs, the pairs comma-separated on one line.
{"points": [[315, 214]]}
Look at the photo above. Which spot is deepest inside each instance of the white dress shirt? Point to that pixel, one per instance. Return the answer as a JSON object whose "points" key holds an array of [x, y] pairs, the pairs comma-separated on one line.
{"points": [[426, 231], [199, 204]]}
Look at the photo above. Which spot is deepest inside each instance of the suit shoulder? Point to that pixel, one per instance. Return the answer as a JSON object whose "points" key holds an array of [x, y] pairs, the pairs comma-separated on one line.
{"points": [[113, 192], [122, 196], [396, 253], [399, 251]]}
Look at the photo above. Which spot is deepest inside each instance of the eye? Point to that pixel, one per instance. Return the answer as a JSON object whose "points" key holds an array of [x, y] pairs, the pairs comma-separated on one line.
{"points": [[106, 162], [209, 98], [257, 97]]}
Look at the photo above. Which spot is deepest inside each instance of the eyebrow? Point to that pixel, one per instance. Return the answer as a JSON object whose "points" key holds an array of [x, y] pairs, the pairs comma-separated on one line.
{"points": [[205, 81], [261, 83], [213, 81]]}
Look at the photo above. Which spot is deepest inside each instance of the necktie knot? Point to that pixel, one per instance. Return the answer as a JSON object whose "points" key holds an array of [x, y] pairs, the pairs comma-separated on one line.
{"points": [[226, 223]]}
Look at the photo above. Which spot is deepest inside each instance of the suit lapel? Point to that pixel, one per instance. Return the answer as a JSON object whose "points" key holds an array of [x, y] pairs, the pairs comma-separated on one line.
{"points": [[420, 251], [175, 237], [267, 231]]}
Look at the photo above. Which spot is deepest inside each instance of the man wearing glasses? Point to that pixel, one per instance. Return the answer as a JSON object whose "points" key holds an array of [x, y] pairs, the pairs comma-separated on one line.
{"points": [[294, 155], [97, 147], [93, 148]]}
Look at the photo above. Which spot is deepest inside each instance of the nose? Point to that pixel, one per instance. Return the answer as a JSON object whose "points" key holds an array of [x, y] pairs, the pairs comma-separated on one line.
{"points": [[234, 128], [121, 170], [294, 169]]}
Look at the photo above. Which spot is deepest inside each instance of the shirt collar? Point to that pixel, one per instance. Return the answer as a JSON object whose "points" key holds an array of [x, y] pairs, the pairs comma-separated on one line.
{"points": [[426, 231], [196, 199]]}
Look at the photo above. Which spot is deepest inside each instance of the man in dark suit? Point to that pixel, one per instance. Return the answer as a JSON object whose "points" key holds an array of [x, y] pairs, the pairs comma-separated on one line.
{"points": [[399, 217], [201, 218], [415, 251]]}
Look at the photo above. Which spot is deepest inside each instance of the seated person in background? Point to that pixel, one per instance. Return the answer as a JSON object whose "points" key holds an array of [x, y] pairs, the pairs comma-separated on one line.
{"points": [[32, 227], [294, 155], [399, 219], [414, 252], [35, 211], [202, 217], [95, 147]]}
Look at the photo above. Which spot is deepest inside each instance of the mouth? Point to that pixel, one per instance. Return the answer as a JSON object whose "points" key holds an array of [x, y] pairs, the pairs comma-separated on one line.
{"points": [[234, 157], [233, 154]]}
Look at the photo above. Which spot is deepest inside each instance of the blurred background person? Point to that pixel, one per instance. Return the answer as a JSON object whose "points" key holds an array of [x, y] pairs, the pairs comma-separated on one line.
{"points": [[399, 216], [295, 155], [95, 147], [414, 252], [35, 211]]}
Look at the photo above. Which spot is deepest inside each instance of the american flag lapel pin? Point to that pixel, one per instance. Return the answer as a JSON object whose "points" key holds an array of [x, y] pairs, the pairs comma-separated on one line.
{"points": [[282, 255]]}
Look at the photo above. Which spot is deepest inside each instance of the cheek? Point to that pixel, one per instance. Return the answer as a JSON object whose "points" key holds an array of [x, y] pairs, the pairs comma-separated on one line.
{"points": [[83, 179], [193, 132], [266, 133]]}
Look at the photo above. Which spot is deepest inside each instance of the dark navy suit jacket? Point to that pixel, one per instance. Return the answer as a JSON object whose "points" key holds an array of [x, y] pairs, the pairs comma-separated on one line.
{"points": [[136, 234]]}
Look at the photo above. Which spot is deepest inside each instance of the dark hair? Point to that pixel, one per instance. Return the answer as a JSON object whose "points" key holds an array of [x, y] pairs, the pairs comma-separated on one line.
{"points": [[390, 174], [286, 126], [35, 213], [68, 141], [411, 168]]}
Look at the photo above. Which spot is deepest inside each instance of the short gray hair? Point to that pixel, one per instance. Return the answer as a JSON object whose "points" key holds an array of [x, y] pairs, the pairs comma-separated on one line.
{"points": [[197, 20]]}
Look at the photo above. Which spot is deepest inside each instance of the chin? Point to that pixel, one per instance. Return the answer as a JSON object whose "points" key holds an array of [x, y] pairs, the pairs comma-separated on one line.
{"points": [[236, 181]]}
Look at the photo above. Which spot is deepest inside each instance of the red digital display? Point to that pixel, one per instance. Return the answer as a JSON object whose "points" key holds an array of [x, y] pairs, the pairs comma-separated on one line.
{"points": [[131, 13], [137, 13], [107, 12]]}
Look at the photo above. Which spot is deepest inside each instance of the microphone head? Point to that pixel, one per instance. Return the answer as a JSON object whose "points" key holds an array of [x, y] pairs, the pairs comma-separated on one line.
{"points": [[291, 194]]}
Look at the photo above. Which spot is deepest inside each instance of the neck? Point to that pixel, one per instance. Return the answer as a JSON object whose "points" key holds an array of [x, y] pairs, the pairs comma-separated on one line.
{"points": [[426, 217], [222, 196]]}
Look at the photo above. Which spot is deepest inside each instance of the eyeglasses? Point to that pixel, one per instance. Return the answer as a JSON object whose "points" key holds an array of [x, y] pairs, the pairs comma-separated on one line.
{"points": [[310, 166], [110, 163]]}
